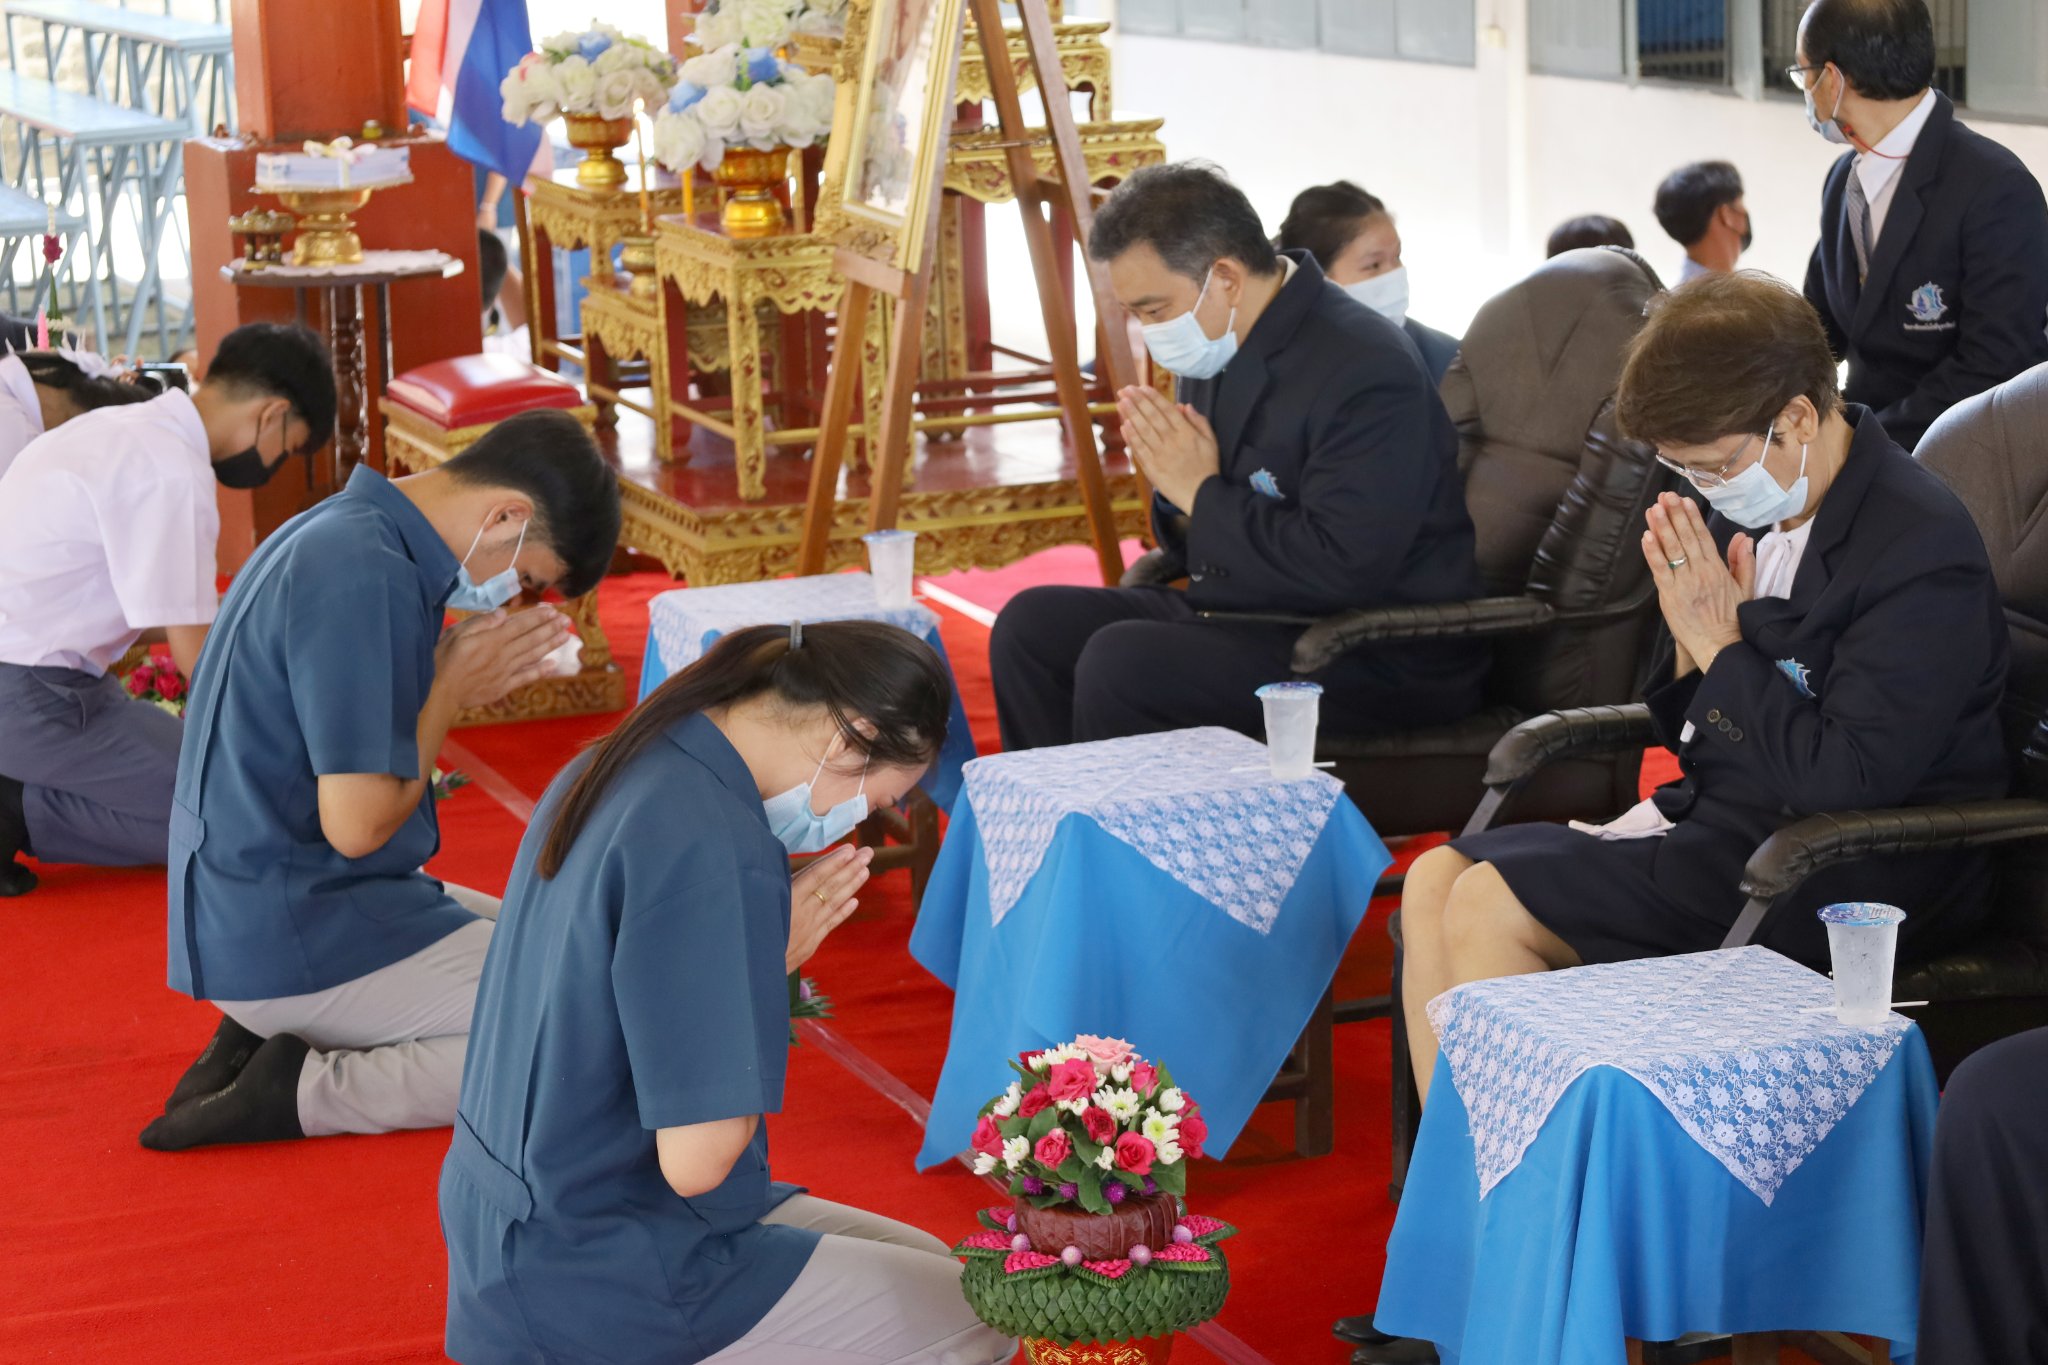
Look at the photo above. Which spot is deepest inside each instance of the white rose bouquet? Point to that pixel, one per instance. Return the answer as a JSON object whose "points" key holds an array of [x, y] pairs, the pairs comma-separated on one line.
{"points": [[601, 71], [766, 23], [736, 96]]}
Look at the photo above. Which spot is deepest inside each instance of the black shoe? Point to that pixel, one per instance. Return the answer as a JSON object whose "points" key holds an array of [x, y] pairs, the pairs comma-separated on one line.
{"points": [[260, 1105], [1396, 1351], [15, 880], [1359, 1331], [227, 1052]]}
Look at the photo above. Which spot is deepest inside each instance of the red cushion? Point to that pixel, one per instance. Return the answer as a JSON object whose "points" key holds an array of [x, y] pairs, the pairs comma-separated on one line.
{"points": [[476, 390]]}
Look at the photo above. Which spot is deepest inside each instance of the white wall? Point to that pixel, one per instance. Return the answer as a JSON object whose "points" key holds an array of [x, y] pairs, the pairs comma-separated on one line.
{"points": [[1430, 141]]}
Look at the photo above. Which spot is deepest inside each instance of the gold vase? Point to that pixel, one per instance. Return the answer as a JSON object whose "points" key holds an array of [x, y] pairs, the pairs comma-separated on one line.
{"points": [[1150, 1351], [327, 235], [749, 179], [597, 138], [636, 255]]}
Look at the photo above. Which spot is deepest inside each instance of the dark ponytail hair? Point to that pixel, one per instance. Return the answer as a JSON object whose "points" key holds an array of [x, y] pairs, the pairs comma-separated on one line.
{"points": [[859, 671], [85, 391], [1324, 219]]}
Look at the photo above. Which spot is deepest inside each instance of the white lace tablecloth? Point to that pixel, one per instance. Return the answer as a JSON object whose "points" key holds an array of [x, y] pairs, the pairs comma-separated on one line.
{"points": [[1718, 1038], [373, 263], [687, 621], [1201, 805]]}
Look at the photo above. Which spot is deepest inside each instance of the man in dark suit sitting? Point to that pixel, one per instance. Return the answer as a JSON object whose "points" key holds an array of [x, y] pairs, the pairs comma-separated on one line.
{"points": [[1308, 467], [1931, 275]]}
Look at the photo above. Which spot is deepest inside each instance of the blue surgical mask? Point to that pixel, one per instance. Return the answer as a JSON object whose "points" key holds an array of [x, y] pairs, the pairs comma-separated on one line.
{"points": [[1385, 293], [1753, 499], [803, 830], [1827, 127], [1183, 347], [493, 592]]}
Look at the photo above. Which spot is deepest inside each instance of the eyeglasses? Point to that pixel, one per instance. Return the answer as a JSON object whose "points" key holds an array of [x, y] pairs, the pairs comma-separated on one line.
{"points": [[1708, 478], [1796, 74]]}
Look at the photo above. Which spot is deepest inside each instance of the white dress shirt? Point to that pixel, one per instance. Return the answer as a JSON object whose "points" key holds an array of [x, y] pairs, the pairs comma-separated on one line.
{"points": [[1880, 173], [21, 410], [107, 529], [1777, 564]]}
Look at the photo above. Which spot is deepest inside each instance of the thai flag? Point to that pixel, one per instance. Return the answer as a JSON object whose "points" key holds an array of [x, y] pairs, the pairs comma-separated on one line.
{"points": [[461, 50]]}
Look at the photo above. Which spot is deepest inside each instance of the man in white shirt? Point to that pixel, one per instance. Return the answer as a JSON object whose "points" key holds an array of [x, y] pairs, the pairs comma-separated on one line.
{"points": [[107, 533], [1931, 275]]}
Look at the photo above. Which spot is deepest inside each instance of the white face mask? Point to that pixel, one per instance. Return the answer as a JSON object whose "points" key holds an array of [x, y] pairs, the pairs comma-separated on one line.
{"points": [[1385, 293], [1827, 127], [1183, 347], [803, 830], [1753, 499]]}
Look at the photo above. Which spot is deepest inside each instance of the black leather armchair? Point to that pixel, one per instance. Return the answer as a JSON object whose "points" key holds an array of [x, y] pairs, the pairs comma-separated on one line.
{"points": [[1993, 451]]}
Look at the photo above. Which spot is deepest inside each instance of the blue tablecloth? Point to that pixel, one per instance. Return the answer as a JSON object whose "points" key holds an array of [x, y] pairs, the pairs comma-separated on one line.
{"points": [[1102, 940], [1617, 1223], [682, 624]]}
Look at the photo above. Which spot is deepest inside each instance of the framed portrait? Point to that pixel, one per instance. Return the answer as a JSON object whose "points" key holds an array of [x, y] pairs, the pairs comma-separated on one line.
{"points": [[903, 118]]}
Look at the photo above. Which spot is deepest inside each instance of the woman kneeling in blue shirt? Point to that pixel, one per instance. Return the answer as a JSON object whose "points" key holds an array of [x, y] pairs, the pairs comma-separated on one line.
{"points": [[607, 1196]]}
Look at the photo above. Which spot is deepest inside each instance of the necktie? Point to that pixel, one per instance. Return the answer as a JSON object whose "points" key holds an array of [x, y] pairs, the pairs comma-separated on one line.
{"points": [[1858, 211]]}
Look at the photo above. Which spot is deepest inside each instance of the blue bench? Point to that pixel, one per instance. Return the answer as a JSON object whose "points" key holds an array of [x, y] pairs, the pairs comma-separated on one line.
{"points": [[23, 221], [179, 68]]}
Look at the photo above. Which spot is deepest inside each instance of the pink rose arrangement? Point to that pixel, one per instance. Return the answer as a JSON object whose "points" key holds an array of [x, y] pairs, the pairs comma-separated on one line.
{"points": [[1089, 1123]]}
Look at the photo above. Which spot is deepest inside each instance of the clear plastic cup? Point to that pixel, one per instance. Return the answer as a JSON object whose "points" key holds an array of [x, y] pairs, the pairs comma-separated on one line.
{"points": [[892, 555], [1291, 710], [1863, 941]]}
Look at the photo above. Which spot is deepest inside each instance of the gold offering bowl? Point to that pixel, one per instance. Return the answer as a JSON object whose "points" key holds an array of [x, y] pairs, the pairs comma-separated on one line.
{"points": [[327, 235], [597, 138], [750, 178], [636, 254]]}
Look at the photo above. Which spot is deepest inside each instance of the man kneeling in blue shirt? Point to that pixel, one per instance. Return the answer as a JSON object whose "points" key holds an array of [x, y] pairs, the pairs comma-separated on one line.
{"points": [[301, 816]]}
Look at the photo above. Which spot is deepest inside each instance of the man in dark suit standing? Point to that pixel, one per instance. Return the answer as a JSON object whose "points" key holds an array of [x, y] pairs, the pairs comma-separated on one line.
{"points": [[1308, 467], [1932, 270]]}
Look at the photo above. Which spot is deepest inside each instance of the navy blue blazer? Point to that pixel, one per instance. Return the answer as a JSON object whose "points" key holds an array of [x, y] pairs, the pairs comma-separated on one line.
{"points": [[1339, 485], [1876, 683], [1438, 349], [1957, 296]]}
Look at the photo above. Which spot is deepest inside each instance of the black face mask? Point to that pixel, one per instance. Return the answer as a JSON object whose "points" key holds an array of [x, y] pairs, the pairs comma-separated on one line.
{"points": [[245, 469], [1748, 234]]}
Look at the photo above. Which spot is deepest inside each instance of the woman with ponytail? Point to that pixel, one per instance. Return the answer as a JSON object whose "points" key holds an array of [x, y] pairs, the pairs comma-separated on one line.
{"points": [[40, 390], [607, 1196]]}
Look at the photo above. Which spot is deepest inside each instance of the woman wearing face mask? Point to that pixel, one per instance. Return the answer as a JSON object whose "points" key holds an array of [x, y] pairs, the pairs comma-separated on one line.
{"points": [[607, 1194], [1353, 238]]}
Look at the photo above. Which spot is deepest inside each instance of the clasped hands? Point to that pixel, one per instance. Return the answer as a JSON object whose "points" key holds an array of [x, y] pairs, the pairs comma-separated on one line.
{"points": [[1174, 446], [1697, 591], [821, 896], [481, 659]]}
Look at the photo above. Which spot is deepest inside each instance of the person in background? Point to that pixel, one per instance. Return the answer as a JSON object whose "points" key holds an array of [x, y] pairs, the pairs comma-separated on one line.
{"points": [[1308, 467], [343, 973], [42, 390], [1931, 273], [1837, 643], [1352, 237], [504, 299], [1594, 229], [1985, 1257], [107, 534], [1700, 207], [607, 1195]]}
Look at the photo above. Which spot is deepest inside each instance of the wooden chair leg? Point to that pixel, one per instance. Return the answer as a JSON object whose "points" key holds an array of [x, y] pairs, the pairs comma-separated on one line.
{"points": [[1635, 1352], [1755, 1348], [924, 824], [1406, 1104], [1315, 1112]]}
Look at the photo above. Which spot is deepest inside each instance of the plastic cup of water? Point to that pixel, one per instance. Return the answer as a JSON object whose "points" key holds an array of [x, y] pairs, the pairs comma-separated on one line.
{"points": [[1863, 940], [1291, 710], [891, 557]]}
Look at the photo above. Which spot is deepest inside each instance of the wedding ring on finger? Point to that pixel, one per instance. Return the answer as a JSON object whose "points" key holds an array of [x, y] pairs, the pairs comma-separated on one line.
{"points": [[1677, 563], [820, 895]]}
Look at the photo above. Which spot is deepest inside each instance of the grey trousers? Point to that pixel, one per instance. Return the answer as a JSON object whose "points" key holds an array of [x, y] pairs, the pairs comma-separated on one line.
{"points": [[874, 1291], [97, 766], [387, 1047]]}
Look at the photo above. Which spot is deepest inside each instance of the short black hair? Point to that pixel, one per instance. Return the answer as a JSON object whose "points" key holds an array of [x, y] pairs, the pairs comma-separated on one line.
{"points": [[1688, 198], [548, 456], [1594, 229], [281, 362], [85, 391], [1885, 48], [491, 265], [1324, 219], [1190, 214]]}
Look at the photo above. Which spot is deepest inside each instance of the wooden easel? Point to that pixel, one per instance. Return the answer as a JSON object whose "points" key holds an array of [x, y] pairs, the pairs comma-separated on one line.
{"points": [[1037, 196]]}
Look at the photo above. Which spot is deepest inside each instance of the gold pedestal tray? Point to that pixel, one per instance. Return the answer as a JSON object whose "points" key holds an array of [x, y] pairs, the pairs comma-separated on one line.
{"points": [[598, 138], [327, 235]]}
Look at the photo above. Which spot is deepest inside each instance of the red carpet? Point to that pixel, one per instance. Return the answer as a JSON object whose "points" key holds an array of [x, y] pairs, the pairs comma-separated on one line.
{"points": [[329, 1250]]}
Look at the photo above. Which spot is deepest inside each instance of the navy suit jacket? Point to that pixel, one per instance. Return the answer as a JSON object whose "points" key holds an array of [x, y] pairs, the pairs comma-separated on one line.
{"points": [[1877, 683], [1957, 295], [1339, 480], [1438, 349]]}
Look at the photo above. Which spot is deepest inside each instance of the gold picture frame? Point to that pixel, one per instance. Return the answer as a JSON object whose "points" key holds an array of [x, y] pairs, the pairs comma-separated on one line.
{"points": [[907, 77]]}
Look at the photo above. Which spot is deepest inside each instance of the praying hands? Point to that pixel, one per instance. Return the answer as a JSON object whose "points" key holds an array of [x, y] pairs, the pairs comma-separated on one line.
{"points": [[1173, 444]]}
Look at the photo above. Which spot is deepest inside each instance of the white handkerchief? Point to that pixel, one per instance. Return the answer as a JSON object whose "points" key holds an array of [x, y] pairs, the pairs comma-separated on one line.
{"points": [[1640, 821]]}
